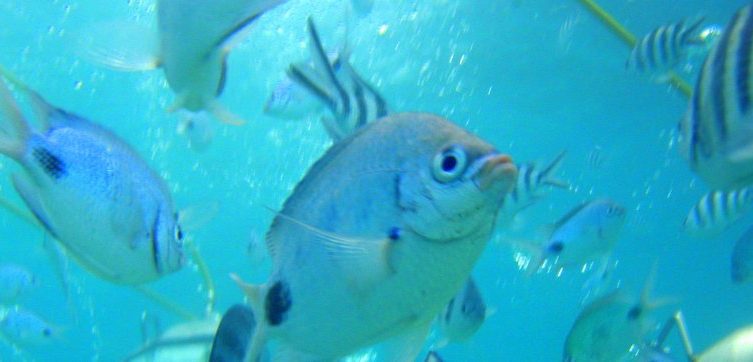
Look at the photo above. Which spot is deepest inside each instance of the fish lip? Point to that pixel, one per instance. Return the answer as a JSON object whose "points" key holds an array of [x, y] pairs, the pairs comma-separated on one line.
{"points": [[493, 169]]}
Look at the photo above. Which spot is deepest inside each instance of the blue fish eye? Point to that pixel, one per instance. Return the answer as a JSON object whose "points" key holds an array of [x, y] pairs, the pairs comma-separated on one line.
{"points": [[449, 164]]}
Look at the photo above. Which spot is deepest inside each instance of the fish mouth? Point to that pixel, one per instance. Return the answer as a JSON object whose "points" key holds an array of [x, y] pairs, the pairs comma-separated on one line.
{"points": [[496, 170]]}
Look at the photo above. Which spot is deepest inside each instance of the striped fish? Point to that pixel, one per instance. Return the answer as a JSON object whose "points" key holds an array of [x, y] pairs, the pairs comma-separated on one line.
{"points": [[717, 210], [717, 130], [741, 266], [665, 47], [531, 185], [350, 99]]}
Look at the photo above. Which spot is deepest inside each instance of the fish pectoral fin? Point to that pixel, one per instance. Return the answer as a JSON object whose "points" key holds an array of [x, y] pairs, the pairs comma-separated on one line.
{"points": [[121, 46], [29, 194], [370, 257], [196, 216]]}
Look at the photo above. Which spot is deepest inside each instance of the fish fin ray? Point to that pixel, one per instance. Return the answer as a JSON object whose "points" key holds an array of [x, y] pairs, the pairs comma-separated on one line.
{"points": [[196, 216], [10, 145], [121, 46]]}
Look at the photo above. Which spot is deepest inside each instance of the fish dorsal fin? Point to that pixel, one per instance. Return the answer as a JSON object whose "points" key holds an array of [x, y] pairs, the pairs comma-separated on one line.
{"points": [[236, 32], [371, 257]]}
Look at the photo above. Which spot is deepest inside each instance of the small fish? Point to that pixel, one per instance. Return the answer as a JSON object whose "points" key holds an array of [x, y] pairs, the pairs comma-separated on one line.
{"points": [[351, 100], [717, 210], [15, 280], [198, 129], [25, 328], [408, 202], [742, 258], [433, 356], [665, 47], [606, 329], [291, 101], [589, 231], [532, 183], [716, 137], [91, 192], [191, 45], [463, 316]]}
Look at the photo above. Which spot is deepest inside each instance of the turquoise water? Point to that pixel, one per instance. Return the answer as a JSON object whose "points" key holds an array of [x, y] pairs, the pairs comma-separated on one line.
{"points": [[532, 77]]}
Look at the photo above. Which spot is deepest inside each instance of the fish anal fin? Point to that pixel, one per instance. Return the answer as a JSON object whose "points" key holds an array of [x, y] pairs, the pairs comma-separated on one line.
{"points": [[224, 115]]}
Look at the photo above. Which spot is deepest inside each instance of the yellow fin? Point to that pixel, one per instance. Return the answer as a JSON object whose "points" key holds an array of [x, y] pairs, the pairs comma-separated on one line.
{"points": [[224, 115]]}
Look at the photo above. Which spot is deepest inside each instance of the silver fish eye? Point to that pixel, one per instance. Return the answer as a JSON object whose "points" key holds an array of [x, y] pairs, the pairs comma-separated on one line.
{"points": [[449, 164]]}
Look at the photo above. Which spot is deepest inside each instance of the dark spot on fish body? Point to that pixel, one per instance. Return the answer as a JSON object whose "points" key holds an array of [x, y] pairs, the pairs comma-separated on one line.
{"points": [[154, 238], [52, 165], [47, 332], [394, 233], [634, 313], [556, 247], [277, 303]]}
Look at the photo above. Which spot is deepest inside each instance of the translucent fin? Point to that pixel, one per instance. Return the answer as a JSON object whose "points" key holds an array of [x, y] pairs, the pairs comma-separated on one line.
{"points": [[371, 257], [196, 216], [120, 46], [9, 145], [547, 173], [255, 295], [30, 195], [225, 116]]}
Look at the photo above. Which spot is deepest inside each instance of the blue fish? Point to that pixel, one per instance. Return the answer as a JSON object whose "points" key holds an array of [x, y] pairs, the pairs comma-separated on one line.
{"points": [[92, 192], [15, 280], [666, 46], [25, 328]]}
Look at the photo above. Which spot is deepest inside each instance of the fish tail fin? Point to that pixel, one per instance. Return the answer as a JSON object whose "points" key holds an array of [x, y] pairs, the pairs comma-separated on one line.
{"points": [[691, 31], [9, 109], [255, 295], [120, 45], [546, 175], [647, 301]]}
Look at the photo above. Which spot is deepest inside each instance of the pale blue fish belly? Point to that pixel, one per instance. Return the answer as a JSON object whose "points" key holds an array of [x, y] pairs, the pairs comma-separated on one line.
{"points": [[406, 242], [95, 195]]}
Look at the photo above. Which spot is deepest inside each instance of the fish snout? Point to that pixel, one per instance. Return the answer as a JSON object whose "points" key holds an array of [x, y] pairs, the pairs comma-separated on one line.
{"points": [[497, 170]]}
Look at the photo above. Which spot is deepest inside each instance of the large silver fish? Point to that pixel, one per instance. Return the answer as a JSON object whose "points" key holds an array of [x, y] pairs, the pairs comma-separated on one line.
{"points": [[717, 130], [92, 192], [382, 231]]}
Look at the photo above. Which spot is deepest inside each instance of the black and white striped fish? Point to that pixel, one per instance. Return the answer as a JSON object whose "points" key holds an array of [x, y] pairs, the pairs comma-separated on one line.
{"points": [[717, 130], [717, 210], [531, 185], [666, 46], [352, 101]]}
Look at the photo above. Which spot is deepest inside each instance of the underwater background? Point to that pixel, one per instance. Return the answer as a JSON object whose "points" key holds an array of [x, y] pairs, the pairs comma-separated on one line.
{"points": [[533, 77]]}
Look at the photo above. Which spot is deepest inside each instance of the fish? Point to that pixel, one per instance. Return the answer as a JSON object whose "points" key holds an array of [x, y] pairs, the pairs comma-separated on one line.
{"points": [[191, 45], [717, 210], [716, 134], [463, 315], [433, 356], [665, 47], [608, 327], [587, 232], [198, 130], [230, 342], [25, 328], [291, 101], [15, 280], [734, 347], [352, 101], [409, 202], [91, 191], [531, 185], [741, 268]]}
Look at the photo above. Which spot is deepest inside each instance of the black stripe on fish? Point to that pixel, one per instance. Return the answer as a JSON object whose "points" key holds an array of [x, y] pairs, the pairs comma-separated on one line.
{"points": [[742, 63], [381, 104], [648, 50], [277, 303], [527, 178], [718, 71], [223, 77], [52, 165], [672, 45], [155, 243], [663, 40], [329, 72], [362, 111], [301, 78], [448, 315]]}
